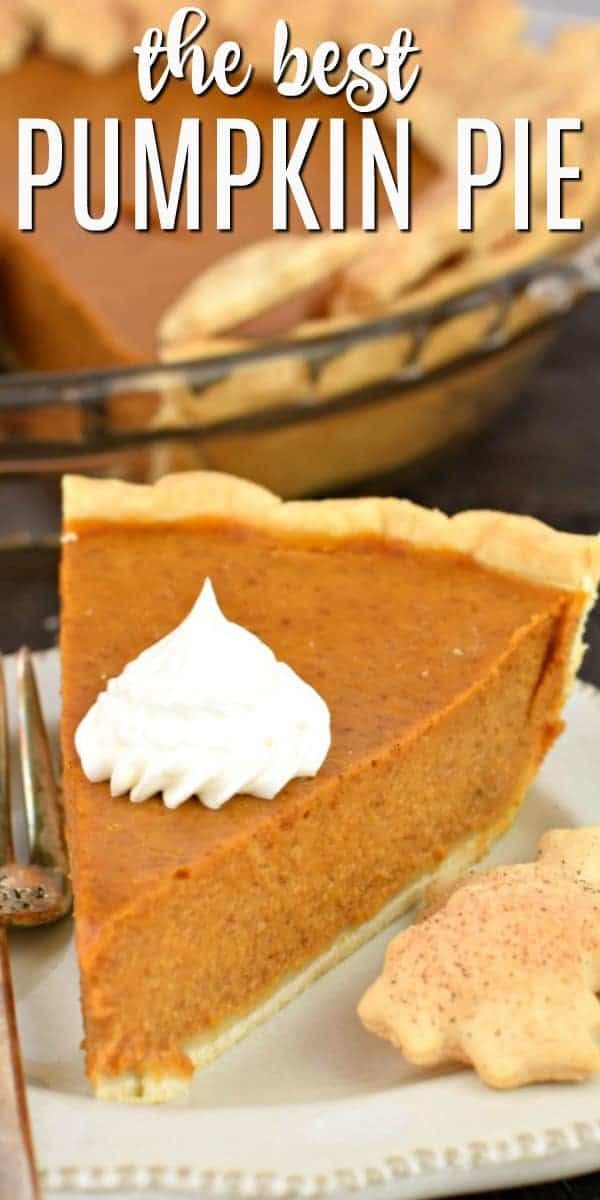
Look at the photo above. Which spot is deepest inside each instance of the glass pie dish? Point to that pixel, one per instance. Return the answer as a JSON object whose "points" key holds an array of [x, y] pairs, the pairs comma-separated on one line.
{"points": [[308, 415]]}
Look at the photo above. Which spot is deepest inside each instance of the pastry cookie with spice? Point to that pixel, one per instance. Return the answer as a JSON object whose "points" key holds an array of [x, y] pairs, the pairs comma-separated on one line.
{"points": [[503, 971]]}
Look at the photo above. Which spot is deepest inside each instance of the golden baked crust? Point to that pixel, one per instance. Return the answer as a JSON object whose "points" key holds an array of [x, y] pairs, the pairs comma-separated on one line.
{"points": [[516, 545], [149, 1088], [14, 34], [263, 274]]}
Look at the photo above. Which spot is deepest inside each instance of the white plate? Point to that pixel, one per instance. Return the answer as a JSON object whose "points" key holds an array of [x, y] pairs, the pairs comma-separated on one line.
{"points": [[309, 1105]]}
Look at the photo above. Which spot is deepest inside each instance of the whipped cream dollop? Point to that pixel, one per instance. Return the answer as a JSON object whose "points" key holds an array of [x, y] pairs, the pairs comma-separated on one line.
{"points": [[208, 711]]}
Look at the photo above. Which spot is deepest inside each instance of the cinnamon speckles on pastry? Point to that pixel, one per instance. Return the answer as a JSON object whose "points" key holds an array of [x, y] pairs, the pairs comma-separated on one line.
{"points": [[502, 972]]}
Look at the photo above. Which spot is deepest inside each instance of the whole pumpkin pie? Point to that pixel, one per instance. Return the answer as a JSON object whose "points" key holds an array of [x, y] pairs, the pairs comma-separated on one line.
{"points": [[444, 649], [74, 298]]}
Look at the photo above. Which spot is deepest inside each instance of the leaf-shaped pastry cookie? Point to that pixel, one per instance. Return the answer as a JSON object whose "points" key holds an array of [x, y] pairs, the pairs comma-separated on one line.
{"points": [[504, 974]]}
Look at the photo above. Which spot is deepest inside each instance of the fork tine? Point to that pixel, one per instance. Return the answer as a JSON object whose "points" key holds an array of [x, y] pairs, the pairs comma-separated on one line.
{"points": [[43, 804], [6, 840]]}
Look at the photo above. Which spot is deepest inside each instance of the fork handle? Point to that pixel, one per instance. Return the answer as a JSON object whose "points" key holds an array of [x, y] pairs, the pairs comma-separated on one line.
{"points": [[18, 1176]]}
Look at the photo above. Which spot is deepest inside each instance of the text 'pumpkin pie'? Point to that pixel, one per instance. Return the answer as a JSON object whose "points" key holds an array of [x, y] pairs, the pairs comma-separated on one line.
{"points": [[444, 648]]}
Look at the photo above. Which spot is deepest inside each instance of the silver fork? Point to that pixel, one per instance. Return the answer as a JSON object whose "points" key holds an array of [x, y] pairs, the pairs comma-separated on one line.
{"points": [[32, 893]]}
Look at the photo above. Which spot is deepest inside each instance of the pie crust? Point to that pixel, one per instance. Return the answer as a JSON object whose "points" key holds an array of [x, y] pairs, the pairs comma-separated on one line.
{"points": [[517, 545], [149, 1088]]}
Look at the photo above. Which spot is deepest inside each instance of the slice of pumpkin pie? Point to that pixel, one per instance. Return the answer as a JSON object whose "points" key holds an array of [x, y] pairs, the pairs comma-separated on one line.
{"points": [[356, 703]]}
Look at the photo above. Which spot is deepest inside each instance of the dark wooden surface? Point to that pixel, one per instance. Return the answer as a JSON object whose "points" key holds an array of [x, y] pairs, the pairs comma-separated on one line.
{"points": [[543, 458]]}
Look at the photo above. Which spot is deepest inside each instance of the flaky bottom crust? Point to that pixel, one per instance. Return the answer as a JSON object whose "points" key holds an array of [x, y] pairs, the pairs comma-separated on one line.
{"points": [[149, 1088]]}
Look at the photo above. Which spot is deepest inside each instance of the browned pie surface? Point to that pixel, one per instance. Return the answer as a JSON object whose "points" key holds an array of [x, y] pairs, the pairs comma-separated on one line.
{"points": [[72, 298], [444, 682]]}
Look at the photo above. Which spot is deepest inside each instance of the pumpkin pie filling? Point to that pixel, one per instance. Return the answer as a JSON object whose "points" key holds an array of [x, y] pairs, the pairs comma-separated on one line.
{"points": [[72, 298], [445, 680]]}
